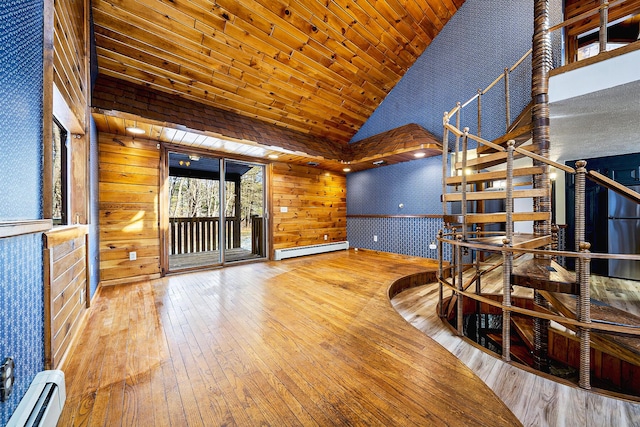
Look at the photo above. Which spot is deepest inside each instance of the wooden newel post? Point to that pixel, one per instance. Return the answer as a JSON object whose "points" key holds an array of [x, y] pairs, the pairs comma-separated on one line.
{"points": [[440, 273], [585, 317], [507, 257]]}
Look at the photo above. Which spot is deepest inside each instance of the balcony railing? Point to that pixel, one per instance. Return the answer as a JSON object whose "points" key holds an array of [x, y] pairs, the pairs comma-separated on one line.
{"points": [[192, 235]]}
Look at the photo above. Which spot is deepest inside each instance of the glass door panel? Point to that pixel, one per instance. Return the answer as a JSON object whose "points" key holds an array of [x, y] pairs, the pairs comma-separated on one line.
{"points": [[244, 196], [194, 212]]}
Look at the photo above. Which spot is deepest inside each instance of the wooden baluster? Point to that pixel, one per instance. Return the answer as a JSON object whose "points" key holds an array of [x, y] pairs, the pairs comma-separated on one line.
{"points": [[445, 155], [457, 136], [479, 113], [507, 98], [604, 18], [463, 207]]}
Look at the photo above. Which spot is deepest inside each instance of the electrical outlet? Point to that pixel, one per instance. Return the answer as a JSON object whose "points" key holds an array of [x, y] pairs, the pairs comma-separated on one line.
{"points": [[375, 238], [326, 237], [133, 256], [7, 370]]}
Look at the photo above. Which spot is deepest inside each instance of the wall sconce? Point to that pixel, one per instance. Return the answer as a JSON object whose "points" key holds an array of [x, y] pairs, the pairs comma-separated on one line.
{"points": [[401, 205], [194, 157], [432, 245]]}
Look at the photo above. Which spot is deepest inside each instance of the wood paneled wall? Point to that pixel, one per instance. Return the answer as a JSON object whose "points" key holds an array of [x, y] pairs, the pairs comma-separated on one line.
{"points": [[316, 204], [128, 199], [65, 289], [71, 54]]}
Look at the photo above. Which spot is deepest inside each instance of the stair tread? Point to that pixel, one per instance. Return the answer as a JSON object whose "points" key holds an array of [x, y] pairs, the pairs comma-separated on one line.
{"points": [[520, 240], [520, 135], [492, 159], [524, 327], [624, 347], [494, 175], [544, 274], [496, 195], [497, 217], [518, 351]]}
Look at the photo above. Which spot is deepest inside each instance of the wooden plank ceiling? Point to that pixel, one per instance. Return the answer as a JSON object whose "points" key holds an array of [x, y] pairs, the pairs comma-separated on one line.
{"points": [[315, 67]]}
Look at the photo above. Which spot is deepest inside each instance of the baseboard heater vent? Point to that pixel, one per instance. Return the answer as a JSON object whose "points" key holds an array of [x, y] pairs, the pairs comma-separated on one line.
{"points": [[42, 405], [310, 250]]}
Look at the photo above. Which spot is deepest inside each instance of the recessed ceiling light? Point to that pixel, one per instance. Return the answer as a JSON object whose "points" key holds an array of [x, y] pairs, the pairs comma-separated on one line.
{"points": [[135, 130], [419, 154], [273, 156], [346, 170]]}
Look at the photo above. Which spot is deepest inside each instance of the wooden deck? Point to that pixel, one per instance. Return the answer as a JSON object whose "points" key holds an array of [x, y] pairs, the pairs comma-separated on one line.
{"points": [[305, 341], [204, 259]]}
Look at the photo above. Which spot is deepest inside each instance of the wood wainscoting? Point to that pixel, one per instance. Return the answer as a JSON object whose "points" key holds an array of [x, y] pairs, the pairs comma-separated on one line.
{"points": [[66, 287]]}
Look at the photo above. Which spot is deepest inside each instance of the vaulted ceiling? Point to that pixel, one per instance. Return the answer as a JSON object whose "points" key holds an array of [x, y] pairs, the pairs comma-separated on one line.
{"points": [[318, 67]]}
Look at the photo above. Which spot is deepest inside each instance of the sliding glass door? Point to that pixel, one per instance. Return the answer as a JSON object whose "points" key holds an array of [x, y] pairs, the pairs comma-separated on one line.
{"points": [[210, 223]]}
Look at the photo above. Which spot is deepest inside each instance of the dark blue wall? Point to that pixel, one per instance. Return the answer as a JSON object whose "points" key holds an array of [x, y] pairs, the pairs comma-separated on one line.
{"points": [[415, 184], [21, 106], [482, 38]]}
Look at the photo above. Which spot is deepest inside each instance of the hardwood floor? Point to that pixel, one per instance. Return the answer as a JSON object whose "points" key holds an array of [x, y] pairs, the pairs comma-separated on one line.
{"points": [[305, 341], [535, 400]]}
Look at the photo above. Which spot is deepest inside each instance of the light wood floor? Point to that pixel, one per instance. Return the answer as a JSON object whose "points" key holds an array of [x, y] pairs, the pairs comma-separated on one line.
{"points": [[536, 401], [306, 341]]}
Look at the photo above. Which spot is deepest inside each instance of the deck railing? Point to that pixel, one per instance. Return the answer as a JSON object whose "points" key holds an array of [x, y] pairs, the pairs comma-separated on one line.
{"points": [[201, 234]]}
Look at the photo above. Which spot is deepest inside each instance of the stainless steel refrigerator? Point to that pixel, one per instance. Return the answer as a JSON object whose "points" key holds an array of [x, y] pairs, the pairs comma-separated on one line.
{"points": [[624, 235]]}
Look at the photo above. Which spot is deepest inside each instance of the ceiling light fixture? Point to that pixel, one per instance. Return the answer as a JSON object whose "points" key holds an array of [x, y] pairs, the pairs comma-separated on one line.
{"points": [[194, 157], [346, 170], [135, 130], [379, 162], [273, 156], [419, 154]]}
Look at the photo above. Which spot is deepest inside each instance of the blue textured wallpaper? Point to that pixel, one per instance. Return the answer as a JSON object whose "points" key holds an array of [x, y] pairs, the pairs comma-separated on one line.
{"points": [[21, 281], [21, 109], [416, 184], [481, 39], [21, 313]]}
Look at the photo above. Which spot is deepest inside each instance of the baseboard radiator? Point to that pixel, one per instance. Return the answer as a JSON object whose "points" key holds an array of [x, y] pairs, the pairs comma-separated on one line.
{"points": [[310, 250], [42, 405]]}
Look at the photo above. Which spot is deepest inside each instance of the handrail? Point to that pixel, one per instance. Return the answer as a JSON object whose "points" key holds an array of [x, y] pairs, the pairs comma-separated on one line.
{"points": [[602, 7]]}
